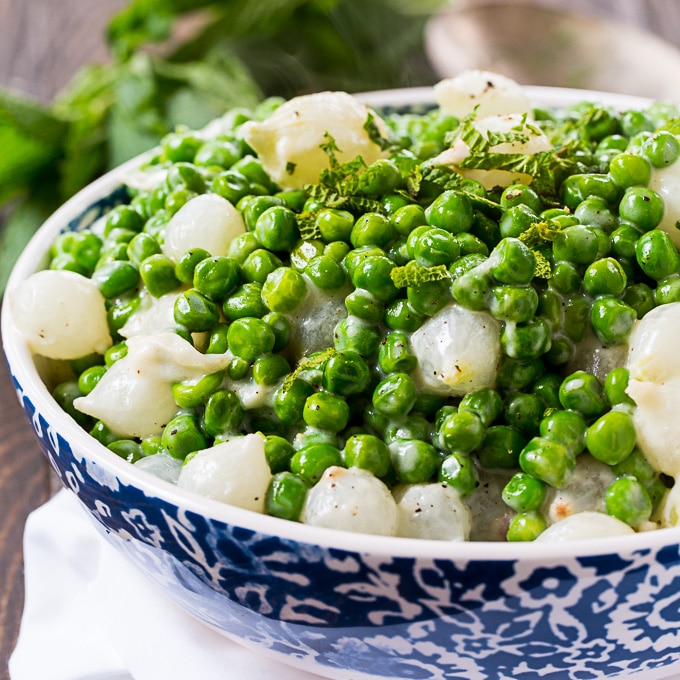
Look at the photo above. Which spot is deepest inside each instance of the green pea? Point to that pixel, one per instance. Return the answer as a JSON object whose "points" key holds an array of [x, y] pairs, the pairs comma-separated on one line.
{"points": [[429, 297], [221, 152], [635, 465], [452, 211], [566, 427], [657, 255], [192, 393], [401, 316], [251, 168], [183, 175], [115, 353], [304, 252], [286, 496], [461, 432], [624, 241], [516, 220], [642, 207], [667, 290], [186, 265], [640, 297], [469, 244], [360, 336], [284, 289], [368, 452], [158, 275], [525, 526], [103, 433], [517, 194], [473, 289], [181, 146], [346, 373], [217, 342], [435, 246], [578, 187], [501, 447], [281, 327], [612, 320], [661, 149], [276, 228], [89, 378], [512, 262], [513, 303], [215, 277], [373, 273], [406, 218], [269, 369], [142, 246], [245, 301], [515, 374], [338, 250], [460, 473], [565, 278], [526, 341], [395, 395], [115, 278], [604, 277], [547, 388], [412, 426], [547, 460], [195, 311], [379, 178], [278, 451], [311, 461], [582, 391], [124, 217], [394, 355], [289, 401], [577, 244], [334, 224], [326, 272], [372, 229], [628, 500], [413, 461], [611, 438], [629, 170], [524, 493], [223, 413], [523, 411], [326, 411], [182, 436], [128, 449], [634, 122], [230, 185], [249, 338], [615, 385], [485, 403]]}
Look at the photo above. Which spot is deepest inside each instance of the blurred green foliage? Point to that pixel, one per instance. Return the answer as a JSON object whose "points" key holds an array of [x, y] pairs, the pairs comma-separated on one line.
{"points": [[230, 53]]}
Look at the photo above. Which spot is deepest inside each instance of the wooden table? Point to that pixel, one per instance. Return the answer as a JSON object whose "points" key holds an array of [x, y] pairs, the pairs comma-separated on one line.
{"points": [[42, 44]]}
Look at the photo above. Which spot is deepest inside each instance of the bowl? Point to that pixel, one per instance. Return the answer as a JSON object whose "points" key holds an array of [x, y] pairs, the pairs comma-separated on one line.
{"points": [[355, 606]]}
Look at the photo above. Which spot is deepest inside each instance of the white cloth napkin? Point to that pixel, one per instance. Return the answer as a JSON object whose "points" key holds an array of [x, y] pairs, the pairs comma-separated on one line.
{"points": [[89, 615]]}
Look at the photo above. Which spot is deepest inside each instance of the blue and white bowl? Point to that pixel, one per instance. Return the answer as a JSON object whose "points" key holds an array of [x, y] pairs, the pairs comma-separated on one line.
{"points": [[354, 606]]}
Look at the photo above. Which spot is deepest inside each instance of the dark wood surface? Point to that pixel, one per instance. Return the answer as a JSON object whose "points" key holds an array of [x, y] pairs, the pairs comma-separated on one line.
{"points": [[42, 44]]}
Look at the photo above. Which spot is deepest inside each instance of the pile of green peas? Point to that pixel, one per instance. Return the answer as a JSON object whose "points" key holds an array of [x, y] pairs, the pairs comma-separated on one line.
{"points": [[597, 265]]}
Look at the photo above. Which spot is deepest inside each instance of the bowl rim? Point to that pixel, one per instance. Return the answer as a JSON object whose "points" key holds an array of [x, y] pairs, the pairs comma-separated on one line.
{"points": [[24, 368]]}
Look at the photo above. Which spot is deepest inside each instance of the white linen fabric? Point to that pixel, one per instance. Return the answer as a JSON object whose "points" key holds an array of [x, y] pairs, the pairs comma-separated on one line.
{"points": [[90, 615]]}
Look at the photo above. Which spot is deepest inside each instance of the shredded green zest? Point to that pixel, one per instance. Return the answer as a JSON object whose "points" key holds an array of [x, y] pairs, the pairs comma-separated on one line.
{"points": [[543, 269], [307, 226], [540, 232], [314, 361], [339, 185], [374, 133], [413, 274]]}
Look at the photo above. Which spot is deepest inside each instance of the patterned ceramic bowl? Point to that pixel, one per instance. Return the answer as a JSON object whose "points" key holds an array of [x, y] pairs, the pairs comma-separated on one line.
{"points": [[355, 606]]}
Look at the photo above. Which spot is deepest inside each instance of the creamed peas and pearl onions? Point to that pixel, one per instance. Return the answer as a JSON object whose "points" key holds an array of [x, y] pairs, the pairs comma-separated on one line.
{"points": [[457, 324]]}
